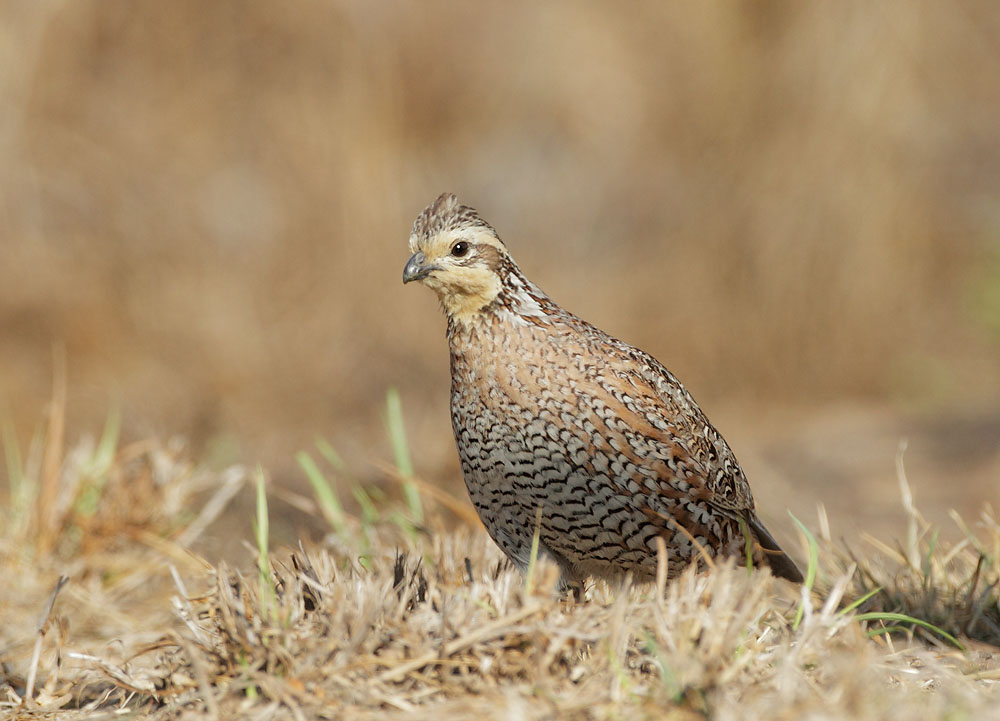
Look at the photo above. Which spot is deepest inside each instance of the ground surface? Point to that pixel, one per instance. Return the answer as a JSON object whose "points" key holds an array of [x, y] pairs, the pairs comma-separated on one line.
{"points": [[386, 618]]}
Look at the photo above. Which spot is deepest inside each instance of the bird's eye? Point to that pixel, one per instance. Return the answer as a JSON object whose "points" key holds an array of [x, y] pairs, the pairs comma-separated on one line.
{"points": [[459, 249]]}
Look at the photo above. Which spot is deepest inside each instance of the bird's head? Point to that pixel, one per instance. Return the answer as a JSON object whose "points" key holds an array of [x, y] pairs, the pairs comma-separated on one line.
{"points": [[458, 255]]}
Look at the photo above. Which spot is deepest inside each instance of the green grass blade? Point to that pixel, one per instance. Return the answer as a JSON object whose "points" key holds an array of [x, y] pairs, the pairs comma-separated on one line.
{"points": [[903, 618], [262, 532], [99, 465], [330, 454], [854, 604], [22, 491], [405, 525], [401, 452], [369, 511], [329, 503], [811, 570], [667, 677], [104, 454], [925, 567], [873, 632], [262, 527]]}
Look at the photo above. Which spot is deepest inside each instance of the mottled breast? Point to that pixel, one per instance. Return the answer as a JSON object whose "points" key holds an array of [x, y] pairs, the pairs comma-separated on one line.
{"points": [[542, 420]]}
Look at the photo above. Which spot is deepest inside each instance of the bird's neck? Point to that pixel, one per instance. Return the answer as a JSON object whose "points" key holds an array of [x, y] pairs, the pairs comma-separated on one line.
{"points": [[465, 305], [519, 303]]}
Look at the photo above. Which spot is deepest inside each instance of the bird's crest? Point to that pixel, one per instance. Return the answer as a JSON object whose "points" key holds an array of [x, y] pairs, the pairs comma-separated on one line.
{"points": [[444, 214]]}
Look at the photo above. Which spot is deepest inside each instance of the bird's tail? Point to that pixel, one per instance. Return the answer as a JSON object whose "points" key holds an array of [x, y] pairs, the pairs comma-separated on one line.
{"points": [[781, 565]]}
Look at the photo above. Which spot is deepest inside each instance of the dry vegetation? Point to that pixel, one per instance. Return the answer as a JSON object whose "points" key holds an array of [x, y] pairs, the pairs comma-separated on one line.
{"points": [[204, 206], [389, 616]]}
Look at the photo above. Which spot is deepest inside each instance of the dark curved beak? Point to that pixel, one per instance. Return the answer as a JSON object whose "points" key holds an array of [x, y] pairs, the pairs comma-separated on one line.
{"points": [[417, 267]]}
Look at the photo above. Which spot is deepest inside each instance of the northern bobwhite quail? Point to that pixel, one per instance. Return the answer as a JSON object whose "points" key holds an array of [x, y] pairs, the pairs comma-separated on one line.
{"points": [[549, 412]]}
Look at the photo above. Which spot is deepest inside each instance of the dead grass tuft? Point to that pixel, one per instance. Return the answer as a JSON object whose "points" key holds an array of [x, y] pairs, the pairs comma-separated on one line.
{"points": [[954, 587], [438, 625]]}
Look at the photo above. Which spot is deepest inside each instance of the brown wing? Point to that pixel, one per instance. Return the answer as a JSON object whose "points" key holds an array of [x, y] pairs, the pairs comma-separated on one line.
{"points": [[709, 465], [661, 415]]}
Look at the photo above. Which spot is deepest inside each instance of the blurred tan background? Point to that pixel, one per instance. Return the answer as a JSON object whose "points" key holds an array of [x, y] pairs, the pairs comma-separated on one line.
{"points": [[796, 208]]}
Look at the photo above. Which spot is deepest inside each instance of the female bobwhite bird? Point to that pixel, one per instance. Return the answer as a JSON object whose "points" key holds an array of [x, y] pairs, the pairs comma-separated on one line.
{"points": [[549, 412]]}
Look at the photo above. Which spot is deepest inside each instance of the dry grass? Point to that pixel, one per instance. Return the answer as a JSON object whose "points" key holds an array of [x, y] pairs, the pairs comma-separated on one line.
{"points": [[430, 623], [208, 204]]}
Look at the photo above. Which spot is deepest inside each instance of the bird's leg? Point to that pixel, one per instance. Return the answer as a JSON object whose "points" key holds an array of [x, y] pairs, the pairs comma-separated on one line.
{"points": [[574, 587]]}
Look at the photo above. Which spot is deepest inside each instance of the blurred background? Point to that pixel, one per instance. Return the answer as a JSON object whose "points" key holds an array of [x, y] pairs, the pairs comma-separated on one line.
{"points": [[204, 208]]}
